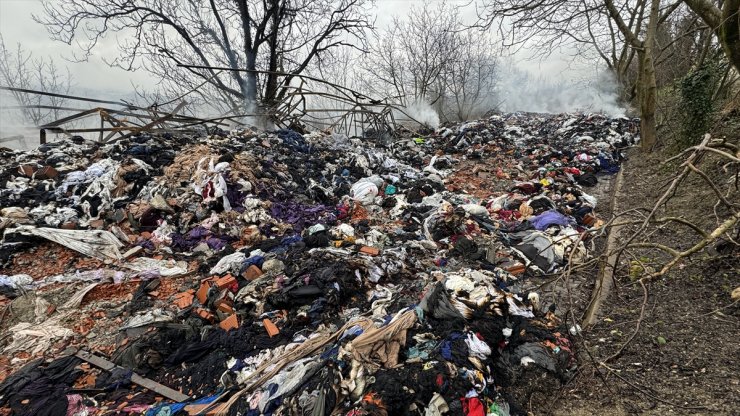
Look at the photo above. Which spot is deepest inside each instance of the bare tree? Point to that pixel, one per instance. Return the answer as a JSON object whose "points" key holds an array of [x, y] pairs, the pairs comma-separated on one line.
{"points": [[411, 56], [647, 86], [430, 57], [616, 31], [272, 40], [724, 19], [20, 70], [470, 77]]}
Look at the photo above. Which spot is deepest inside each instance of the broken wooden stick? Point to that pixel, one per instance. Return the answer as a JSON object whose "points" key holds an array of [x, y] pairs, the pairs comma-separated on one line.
{"points": [[135, 378]]}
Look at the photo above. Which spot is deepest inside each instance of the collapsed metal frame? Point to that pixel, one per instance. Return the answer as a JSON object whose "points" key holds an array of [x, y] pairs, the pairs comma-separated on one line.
{"points": [[352, 112], [358, 116], [361, 113], [118, 123]]}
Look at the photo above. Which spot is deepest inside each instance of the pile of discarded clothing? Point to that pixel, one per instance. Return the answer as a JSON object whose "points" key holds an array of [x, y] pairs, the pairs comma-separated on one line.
{"points": [[253, 273]]}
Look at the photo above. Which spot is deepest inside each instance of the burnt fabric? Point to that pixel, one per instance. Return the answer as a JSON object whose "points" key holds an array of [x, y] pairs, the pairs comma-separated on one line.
{"points": [[40, 389], [318, 274]]}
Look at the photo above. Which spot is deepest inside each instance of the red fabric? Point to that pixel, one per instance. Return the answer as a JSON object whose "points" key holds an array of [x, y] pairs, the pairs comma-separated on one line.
{"points": [[473, 407]]}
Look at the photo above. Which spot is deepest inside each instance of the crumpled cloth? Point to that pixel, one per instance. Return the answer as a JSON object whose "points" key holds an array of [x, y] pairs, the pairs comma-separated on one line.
{"points": [[549, 218], [364, 191], [378, 347], [472, 406], [477, 347], [102, 245], [209, 182], [37, 338], [437, 406]]}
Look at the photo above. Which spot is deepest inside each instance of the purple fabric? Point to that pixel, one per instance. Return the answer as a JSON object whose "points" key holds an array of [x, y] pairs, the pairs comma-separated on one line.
{"points": [[548, 218], [235, 196], [215, 243], [183, 243], [195, 236], [146, 244], [300, 216], [198, 232]]}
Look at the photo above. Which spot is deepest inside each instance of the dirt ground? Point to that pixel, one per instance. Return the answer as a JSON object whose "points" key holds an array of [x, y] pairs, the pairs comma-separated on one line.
{"points": [[685, 359]]}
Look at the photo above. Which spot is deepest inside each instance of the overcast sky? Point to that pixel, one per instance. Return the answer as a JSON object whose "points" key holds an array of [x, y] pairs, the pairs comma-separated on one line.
{"points": [[17, 26], [95, 79]]}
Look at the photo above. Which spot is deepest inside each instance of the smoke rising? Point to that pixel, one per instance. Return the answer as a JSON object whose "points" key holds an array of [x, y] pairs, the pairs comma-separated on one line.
{"points": [[423, 113], [521, 91]]}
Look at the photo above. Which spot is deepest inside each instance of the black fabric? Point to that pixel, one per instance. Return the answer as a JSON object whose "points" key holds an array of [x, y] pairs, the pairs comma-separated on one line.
{"points": [[40, 389], [587, 179], [437, 304], [465, 247]]}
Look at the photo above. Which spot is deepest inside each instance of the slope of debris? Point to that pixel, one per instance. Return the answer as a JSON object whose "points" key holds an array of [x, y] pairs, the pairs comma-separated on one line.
{"points": [[278, 273]]}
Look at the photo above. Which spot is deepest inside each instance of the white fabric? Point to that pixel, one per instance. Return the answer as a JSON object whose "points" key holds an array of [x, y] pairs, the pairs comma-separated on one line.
{"points": [[364, 191], [477, 348], [211, 175], [102, 245], [231, 262], [165, 268]]}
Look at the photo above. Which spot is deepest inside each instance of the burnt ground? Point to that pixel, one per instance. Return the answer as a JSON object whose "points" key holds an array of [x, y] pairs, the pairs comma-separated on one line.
{"points": [[685, 359]]}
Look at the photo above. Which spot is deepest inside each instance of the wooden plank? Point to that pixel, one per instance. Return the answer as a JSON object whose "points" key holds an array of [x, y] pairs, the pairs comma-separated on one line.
{"points": [[142, 381]]}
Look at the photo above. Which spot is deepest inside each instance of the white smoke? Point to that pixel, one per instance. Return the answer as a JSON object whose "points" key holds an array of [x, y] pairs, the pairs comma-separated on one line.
{"points": [[423, 113], [521, 91], [13, 133]]}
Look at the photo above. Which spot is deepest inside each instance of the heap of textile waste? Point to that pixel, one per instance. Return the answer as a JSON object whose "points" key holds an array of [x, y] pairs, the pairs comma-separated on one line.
{"points": [[255, 273]]}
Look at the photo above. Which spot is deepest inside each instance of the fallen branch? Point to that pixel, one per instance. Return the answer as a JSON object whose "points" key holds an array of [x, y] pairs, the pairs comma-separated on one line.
{"points": [[641, 389], [723, 228], [637, 326]]}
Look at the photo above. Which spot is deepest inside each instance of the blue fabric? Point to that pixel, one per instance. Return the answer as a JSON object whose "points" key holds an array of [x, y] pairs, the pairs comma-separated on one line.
{"points": [[254, 260], [238, 365], [445, 348], [172, 408], [352, 332], [293, 140], [549, 218], [607, 166], [289, 241], [330, 353]]}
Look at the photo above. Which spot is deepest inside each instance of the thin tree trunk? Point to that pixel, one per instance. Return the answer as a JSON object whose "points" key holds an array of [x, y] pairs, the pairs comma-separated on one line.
{"points": [[250, 95], [729, 31], [647, 92], [271, 86], [648, 87]]}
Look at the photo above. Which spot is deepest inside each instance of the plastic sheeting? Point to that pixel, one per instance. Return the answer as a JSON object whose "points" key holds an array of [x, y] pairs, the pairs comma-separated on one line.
{"points": [[102, 245]]}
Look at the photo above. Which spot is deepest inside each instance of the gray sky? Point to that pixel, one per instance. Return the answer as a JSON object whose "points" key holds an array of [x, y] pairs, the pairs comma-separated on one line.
{"points": [[17, 25], [95, 79]]}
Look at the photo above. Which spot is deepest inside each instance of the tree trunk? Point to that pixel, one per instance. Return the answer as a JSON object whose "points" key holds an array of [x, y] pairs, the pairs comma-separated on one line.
{"points": [[729, 32], [648, 88], [249, 88], [250, 93], [647, 95], [725, 23], [271, 86]]}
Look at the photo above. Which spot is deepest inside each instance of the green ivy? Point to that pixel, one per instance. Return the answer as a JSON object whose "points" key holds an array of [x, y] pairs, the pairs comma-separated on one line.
{"points": [[696, 103]]}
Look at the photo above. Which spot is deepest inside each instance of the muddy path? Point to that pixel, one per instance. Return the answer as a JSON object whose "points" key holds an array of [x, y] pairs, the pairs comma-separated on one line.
{"points": [[685, 358]]}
